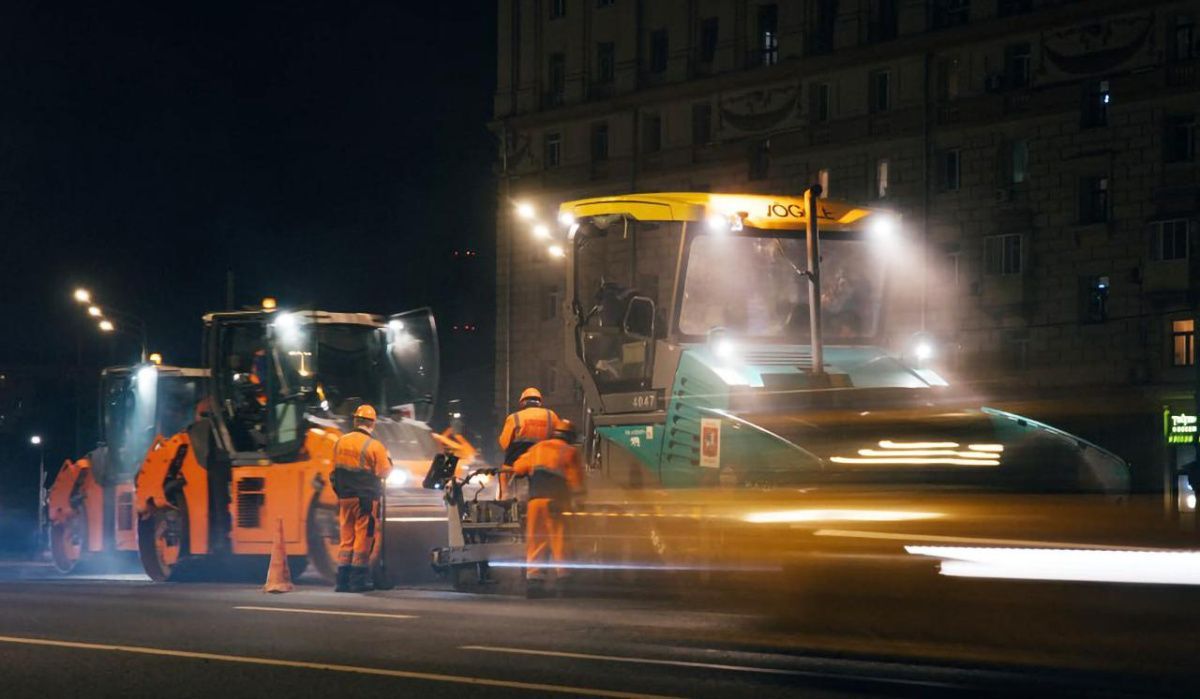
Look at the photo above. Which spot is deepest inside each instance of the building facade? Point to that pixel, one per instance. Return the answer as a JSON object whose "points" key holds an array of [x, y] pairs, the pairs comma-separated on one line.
{"points": [[1042, 153]]}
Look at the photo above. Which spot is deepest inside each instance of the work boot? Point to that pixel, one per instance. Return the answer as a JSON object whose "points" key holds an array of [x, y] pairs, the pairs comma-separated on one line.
{"points": [[358, 579], [535, 588], [343, 579]]}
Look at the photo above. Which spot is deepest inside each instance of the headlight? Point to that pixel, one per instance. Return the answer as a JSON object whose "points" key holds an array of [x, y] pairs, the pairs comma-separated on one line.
{"points": [[397, 478]]}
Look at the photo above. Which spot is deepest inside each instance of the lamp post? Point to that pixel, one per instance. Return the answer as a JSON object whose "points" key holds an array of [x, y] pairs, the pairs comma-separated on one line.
{"points": [[106, 315], [813, 248], [36, 440]]}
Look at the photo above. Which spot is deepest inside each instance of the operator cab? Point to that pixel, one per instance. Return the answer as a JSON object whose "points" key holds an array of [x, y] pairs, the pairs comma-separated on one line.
{"points": [[276, 372]]}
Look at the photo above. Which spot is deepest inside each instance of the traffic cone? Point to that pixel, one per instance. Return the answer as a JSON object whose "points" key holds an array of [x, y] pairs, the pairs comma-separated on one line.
{"points": [[279, 577]]}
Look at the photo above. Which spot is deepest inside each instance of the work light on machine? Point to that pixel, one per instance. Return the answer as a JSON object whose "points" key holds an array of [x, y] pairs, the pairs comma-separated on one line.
{"points": [[883, 228], [567, 219], [525, 211]]}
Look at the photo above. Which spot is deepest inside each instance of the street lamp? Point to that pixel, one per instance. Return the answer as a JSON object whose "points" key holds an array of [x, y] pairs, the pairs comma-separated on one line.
{"points": [[36, 440], [95, 312], [106, 325], [83, 295]]}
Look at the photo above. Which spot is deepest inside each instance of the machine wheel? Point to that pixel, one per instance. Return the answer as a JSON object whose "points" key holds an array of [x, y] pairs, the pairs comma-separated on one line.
{"points": [[68, 541], [163, 541], [321, 529], [297, 565]]}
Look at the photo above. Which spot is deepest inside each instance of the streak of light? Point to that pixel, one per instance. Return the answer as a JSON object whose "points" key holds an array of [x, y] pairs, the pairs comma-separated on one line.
{"points": [[889, 444], [660, 567], [1151, 567], [416, 519], [894, 536], [943, 461], [926, 452], [836, 515], [330, 612], [986, 447]]}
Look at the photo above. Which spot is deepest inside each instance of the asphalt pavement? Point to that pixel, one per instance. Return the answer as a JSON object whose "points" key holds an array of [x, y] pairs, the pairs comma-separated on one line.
{"points": [[119, 635]]}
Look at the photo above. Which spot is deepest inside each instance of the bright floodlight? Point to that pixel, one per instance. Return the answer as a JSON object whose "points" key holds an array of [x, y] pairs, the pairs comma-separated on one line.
{"points": [[725, 348], [883, 227], [566, 218], [1190, 501], [106, 325], [95, 312], [556, 251], [923, 350], [542, 231], [83, 295], [36, 440], [396, 325], [286, 321], [718, 223], [525, 210], [397, 478], [146, 373]]}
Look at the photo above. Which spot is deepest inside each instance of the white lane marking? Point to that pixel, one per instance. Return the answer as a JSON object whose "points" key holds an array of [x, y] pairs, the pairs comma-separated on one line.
{"points": [[416, 519], [640, 661], [334, 612], [855, 534], [355, 669]]}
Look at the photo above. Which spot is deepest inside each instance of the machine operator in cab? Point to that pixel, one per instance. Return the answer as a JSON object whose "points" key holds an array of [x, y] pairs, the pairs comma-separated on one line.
{"points": [[360, 466], [555, 475], [531, 424]]}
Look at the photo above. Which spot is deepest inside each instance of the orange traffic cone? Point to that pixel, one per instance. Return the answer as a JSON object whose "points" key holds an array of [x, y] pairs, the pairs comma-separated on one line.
{"points": [[279, 577]]}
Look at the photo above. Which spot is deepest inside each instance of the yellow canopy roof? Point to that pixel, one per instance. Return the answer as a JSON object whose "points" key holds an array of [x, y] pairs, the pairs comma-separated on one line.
{"points": [[756, 210]]}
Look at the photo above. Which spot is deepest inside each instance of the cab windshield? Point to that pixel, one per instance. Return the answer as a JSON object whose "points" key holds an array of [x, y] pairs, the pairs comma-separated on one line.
{"points": [[755, 287]]}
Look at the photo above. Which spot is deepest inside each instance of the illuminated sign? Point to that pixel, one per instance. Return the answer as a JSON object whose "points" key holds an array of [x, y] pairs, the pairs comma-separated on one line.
{"points": [[1179, 428]]}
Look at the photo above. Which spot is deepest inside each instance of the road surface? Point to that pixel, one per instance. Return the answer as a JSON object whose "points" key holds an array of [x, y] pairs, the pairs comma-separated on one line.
{"points": [[124, 636]]}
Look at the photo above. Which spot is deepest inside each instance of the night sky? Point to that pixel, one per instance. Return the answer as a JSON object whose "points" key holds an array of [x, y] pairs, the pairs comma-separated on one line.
{"points": [[330, 154]]}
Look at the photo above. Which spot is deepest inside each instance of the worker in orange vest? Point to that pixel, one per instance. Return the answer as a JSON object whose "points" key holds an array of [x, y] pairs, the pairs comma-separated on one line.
{"points": [[555, 475], [529, 425], [360, 465]]}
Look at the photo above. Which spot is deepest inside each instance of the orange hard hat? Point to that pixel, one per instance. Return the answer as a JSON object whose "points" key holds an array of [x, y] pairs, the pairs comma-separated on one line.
{"points": [[531, 393], [365, 412], [564, 425]]}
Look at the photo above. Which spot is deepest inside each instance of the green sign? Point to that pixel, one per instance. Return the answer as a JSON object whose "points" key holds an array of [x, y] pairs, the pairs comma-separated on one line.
{"points": [[1179, 428]]}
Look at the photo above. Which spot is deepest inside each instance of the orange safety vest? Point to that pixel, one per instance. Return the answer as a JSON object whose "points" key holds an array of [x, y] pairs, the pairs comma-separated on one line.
{"points": [[523, 429]]}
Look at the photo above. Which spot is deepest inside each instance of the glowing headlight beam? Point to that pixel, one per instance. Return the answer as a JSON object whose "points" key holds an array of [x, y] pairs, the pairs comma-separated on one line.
{"points": [[1154, 567], [788, 516], [891, 453], [889, 444], [986, 447], [932, 461]]}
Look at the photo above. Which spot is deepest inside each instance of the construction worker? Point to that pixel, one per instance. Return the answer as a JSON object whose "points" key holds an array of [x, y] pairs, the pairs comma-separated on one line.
{"points": [[555, 476], [529, 425], [360, 465]]}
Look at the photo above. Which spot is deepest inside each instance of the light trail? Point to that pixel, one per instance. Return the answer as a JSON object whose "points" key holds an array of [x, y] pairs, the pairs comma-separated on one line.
{"points": [[1150, 567], [331, 612]]}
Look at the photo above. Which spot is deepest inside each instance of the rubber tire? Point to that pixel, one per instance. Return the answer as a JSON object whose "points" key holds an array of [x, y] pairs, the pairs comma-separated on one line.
{"points": [[59, 551], [320, 555], [156, 567]]}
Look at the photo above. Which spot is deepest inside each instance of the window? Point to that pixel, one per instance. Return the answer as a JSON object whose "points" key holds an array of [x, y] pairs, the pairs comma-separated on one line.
{"points": [[651, 133], [556, 78], [1019, 161], [549, 376], [949, 73], [1008, 8], [658, 51], [822, 21], [600, 141], [701, 124], [823, 180], [760, 159], [1179, 139], [884, 20], [768, 34], [949, 13], [820, 102], [879, 92], [1183, 342], [1096, 99], [949, 169], [558, 8], [1169, 240], [606, 62], [551, 301], [1093, 199], [553, 149], [1016, 65], [881, 178], [1182, 46], [709, 33], [1002, 254]]}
